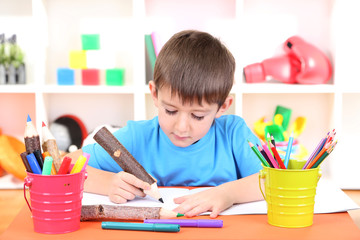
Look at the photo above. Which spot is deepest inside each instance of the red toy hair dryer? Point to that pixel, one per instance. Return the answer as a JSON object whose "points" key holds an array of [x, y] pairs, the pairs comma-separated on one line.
{"points": [[303, 63]]}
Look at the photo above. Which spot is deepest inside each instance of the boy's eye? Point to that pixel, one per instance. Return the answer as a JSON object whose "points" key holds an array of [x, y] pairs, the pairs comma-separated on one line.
{"points": [[197, 117], [170, 112]]}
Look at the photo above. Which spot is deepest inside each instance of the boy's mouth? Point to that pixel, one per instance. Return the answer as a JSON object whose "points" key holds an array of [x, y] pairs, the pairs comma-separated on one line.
{"points": [[180, 138]]}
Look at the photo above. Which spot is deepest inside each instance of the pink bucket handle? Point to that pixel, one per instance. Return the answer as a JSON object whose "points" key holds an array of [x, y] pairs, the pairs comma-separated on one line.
{"points": [[27, 182]]}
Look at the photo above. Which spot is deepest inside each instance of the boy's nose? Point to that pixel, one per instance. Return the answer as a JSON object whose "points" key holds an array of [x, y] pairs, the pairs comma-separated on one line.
{"points": [[182, 124]]}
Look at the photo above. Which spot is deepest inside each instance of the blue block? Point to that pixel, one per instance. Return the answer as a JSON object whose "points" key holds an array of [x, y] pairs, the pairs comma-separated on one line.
{"points": [[65, 76]]}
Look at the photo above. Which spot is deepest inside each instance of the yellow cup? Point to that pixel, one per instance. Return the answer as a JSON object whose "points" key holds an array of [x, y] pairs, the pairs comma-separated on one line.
{"points": [[290, 195]]}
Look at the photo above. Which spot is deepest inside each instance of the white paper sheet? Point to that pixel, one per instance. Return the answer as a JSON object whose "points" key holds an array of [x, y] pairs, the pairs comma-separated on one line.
{"points": [[329, 198]]}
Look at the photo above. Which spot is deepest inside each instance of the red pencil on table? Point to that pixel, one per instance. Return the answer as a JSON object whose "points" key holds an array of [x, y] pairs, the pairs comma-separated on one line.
{"points": [[277, 156]]}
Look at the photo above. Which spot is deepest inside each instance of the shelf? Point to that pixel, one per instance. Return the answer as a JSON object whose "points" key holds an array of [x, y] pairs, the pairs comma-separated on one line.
{"points": [[285, 88], [89, 89], [252, 30], [67, 89]]}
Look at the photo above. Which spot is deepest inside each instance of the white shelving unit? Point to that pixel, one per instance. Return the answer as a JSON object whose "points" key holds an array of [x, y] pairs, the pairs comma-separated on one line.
{"points": [[253, 30]]}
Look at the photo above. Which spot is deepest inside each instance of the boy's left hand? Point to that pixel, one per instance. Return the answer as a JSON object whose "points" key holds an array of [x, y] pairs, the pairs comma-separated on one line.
{"points": [[216, 200]]}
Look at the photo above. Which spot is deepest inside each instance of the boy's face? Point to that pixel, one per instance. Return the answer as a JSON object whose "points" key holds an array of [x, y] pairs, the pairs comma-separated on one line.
{"points": [[184, 124]]}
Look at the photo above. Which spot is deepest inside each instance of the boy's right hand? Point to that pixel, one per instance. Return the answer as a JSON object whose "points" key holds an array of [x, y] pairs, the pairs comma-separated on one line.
{"points": [[125, 186]]}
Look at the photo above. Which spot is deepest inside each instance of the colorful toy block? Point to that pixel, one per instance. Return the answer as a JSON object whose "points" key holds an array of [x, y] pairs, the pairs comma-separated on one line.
{"points": [[77, 59], [65, 76], [115, 77], [90, 76], [100, 59], [90, 41]]}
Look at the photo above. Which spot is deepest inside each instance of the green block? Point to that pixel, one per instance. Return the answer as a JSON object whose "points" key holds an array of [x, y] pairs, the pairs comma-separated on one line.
{"points": [[90, 41], [115, 77], [286, 113]]}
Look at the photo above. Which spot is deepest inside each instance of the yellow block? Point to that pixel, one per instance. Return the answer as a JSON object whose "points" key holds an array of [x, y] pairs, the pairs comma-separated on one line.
{"points": [[77, 59]]}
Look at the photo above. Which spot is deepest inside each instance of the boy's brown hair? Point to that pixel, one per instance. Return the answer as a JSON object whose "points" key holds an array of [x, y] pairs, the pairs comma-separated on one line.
{"points": [[196, 66]]}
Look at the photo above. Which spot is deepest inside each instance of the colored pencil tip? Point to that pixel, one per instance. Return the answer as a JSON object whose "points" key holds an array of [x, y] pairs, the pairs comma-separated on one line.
{"points": [[161, 200], [180, 215], [28, 118], [43, 124]]}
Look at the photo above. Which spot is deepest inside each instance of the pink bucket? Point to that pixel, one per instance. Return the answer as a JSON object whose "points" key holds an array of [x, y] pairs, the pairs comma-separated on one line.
{"points": [[55, 201]]}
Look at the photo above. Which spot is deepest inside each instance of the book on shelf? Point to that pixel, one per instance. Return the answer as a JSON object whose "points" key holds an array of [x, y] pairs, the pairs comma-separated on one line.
{"points": [[150, 57]]}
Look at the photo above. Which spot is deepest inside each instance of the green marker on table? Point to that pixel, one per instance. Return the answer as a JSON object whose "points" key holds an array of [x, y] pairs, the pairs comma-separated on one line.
{"points": [[47, 166], [154, 227]]}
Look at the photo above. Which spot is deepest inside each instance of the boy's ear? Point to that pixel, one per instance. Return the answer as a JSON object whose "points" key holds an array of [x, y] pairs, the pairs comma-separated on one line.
{"points": [[153, 92], [228, 101]]}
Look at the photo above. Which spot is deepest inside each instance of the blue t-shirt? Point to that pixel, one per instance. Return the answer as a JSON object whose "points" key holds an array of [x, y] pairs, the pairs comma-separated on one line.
{"points": [[222, 155]]}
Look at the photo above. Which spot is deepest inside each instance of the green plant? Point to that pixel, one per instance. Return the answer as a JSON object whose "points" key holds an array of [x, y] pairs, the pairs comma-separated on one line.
{"points": [[16, 55], [10, 52], [2, 50]]}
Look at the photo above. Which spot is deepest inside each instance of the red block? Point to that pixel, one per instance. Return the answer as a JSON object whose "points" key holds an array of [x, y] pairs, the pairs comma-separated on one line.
{"points": [[90, 76]]}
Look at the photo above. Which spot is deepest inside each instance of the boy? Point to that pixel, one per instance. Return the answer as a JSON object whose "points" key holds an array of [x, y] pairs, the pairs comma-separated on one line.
{"points": [[189, 143]]}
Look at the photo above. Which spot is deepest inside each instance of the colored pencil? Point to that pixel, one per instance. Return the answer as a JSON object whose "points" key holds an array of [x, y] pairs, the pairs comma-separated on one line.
{"points": [[314, 152], [258, 154], [272, 140], [49, 145], [288, 150], [326, 147], [118, 212], [268, 153], [262, 151], [277, 156], [322, 158], [25, 161], [31, 137], [317, 163], [331, 136], [126, 161]]}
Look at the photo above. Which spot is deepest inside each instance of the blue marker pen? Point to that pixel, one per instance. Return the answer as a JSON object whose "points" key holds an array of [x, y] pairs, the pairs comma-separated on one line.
{"points": [[33, 163]]}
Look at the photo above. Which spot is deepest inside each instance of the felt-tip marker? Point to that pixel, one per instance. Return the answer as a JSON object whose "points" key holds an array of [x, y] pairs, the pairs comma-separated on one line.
{"points": [[154, 227], [201, 223]]}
